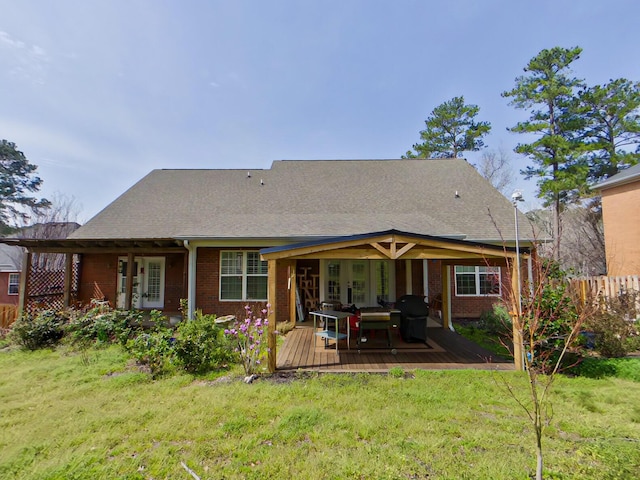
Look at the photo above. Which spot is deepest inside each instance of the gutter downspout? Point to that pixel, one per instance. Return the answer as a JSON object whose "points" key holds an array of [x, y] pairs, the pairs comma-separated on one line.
{"points": [[191, 279]]}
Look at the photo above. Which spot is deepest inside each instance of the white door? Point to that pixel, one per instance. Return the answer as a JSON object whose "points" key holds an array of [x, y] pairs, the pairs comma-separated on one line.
{"points": [[148, 282], [152, 295]]}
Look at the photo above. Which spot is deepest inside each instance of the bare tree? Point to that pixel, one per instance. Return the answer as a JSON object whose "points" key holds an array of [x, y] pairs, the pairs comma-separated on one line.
{"points": [[582, 251], [58, 221], [547, 318], [495, 166]]}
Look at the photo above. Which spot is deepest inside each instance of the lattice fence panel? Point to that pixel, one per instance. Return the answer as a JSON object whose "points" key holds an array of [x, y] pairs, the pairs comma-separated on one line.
{"points": [[46, 287]]}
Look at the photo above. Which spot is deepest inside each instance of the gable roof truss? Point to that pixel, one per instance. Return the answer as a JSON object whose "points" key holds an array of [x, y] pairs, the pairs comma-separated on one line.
{"points": [[392, 245]]}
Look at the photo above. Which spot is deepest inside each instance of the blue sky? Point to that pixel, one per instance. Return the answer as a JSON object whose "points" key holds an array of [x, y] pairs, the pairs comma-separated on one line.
{"points": [[98, 93]]}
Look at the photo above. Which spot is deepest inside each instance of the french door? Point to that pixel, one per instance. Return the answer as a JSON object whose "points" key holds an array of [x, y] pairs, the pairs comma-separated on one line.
{"points": [[148, 282], [360, 282]]}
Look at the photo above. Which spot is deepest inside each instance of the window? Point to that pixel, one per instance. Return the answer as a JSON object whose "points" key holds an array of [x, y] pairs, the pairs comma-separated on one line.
{"points": [[333, 282], [476, 280], [382, 281], [14, 283], [243, 276]]}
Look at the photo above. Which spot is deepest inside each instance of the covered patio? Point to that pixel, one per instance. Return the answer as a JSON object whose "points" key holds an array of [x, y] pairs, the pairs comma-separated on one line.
{"points": [[302, 350]]}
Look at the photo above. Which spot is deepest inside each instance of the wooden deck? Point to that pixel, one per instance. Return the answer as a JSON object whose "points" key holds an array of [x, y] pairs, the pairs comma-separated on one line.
{"points": [[302, 350]]}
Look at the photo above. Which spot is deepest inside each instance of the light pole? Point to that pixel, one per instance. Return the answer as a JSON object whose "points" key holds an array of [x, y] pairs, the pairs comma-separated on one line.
{"points": [[515, 198]]}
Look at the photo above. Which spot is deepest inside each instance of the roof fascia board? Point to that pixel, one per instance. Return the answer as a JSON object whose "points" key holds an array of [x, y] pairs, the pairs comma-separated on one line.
{"points": [[606, 185], [331, 246]]}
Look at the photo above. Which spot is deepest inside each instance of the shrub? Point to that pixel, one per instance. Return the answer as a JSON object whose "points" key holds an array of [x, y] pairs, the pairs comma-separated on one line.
{"points": [[97, 324], [153, 347], [550, 316], [496, 321], [201, 345], [41, 330], [615, 326]]}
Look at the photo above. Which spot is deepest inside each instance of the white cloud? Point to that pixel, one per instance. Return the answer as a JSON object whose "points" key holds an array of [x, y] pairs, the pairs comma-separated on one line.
{"points": [[7, 40], [24, 61]]}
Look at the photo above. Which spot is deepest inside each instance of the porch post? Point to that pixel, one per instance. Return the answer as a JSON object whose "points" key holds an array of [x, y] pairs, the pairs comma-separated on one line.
{"points": [[24, 283], [425, 279], [191, 279], [68, 276], [446, 296], [293, 287], [516, 316], [128, 295], [271, 331]]}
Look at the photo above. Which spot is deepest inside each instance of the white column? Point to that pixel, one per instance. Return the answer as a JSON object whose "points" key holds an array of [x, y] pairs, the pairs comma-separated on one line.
{"points": [[191, 279]]}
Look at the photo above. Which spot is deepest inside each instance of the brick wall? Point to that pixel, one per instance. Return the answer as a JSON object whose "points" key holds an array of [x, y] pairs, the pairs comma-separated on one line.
{"points": [[98, 277], [620, 214], [461, 307], [174, 282], [208, 288]]}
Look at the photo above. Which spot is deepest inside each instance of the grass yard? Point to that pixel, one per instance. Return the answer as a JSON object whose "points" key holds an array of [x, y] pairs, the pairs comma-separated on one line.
{"points": [[65, 415]]}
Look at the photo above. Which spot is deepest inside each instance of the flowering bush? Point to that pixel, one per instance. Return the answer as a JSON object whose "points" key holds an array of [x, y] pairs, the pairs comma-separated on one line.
{"points": [[248, 335]]}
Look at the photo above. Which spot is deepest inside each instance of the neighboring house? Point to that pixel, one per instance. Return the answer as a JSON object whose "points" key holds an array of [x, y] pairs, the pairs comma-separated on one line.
{"points": [[621, 218], [10, 267], [351, 231]]}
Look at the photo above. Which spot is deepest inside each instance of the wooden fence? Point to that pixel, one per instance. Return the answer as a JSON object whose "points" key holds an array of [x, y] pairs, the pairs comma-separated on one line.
{"points": [[607, 287], [8, 315]]}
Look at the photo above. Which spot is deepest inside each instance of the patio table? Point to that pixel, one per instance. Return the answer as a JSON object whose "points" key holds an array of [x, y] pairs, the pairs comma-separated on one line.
{"points": [[326, 333]]}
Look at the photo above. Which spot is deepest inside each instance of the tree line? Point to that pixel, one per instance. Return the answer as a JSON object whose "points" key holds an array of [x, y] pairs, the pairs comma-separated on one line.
{"points": [[581, 134]]}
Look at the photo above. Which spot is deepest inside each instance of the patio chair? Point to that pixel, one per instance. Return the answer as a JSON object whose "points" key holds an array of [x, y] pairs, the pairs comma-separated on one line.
{"points": [[414, 312]]}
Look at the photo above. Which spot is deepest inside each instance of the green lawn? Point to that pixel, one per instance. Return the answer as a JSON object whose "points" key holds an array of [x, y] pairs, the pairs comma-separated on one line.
{"points": [[65, 415]]}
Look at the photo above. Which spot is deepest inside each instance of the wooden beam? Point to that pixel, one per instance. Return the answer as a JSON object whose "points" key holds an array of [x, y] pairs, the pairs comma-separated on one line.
{"points": [[292, 292], [404, 249], [315, 249], [24, 283], [381, 249], [271, 330], [118, 250], [350, 253], [68, 277]]}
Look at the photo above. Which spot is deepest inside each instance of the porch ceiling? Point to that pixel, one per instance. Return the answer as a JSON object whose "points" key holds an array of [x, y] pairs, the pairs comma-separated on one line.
{"points": [[390, 244]]}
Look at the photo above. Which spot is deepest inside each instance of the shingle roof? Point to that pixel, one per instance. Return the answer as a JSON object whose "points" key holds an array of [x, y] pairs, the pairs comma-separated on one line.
{"points": [[627, 175], [10, 258], [312, 198]]}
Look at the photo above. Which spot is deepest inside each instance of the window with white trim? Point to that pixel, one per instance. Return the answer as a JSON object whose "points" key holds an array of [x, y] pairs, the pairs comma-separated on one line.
{"points": [[477, 280], [243, 276], [14, 283]]}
